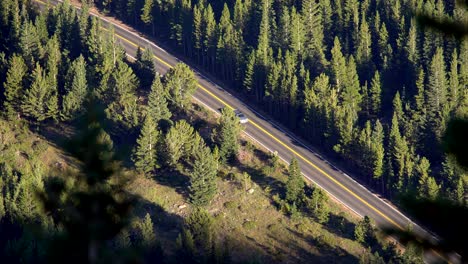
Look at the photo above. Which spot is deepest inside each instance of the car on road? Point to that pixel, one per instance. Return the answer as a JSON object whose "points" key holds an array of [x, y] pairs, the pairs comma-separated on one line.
{"points": [[242, 118]]}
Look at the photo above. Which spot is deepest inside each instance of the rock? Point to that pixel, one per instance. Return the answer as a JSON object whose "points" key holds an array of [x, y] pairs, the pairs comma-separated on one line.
{"points": [[251, 190], [182, 206]]}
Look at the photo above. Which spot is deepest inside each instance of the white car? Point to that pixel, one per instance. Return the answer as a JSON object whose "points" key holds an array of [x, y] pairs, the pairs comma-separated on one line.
{"points": [[242, 118]]}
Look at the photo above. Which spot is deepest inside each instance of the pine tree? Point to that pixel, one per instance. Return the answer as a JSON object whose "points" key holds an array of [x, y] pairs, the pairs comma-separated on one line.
{"points": [[203, 178], [314, 30], [14, 86], [338, 66], [145, 154], [76, 89], [179, 141], [398, 149], [148, 238], [351, 96], [157, 107], [378, 149], [36, 102], [249, 72], [364, 52], [185, 247], [263, 42], [200, 224], [453, 92], [123, 107], [180, 82], [229, 132], [297, 36], [425, 188], [318, 204], [295, 184], [147, 13], [436, 94], [364, 231], [375, 95]]}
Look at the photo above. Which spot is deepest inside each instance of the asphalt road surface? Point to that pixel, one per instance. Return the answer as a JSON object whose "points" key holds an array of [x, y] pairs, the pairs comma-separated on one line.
{"points": [[276, 138]]}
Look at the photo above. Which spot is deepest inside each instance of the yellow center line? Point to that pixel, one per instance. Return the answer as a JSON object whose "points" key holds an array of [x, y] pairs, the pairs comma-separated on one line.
{"points": [[273, 137], [283, 144]]}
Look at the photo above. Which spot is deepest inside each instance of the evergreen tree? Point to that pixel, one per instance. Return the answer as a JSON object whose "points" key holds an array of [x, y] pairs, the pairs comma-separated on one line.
{"points": [[157, 107], [295, 184], [228, 134], [147, 13], [398, 150], [185, 247], [148, 238], [364, 52], [375, 95], [436, 92], [200, 224], [13, 86], [76, 90], [364, 232], [179, 142], [318, 204], [180, 82], [314, 35], [145, 154], [123, 108], [37, 102], [203, 178], [338, 66]]}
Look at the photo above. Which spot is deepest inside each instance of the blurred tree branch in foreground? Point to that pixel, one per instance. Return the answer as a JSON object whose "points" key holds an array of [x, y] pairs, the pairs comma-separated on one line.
{"points": [[447, 219]]}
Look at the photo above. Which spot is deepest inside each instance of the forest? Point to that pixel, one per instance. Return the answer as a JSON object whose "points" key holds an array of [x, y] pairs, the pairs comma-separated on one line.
{"points": [[361, 80], [358, 79]]}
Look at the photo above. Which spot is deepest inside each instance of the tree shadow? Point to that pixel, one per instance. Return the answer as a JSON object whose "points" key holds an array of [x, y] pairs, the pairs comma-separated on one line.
{"points": [[330, 254], [340, 226], [263, 180], [175, 179]]}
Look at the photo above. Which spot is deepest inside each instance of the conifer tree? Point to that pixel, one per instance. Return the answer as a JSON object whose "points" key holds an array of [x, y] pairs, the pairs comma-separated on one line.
{"points": [[179, 142], [145, 154], [147, 13], [453, 92], [157, 107], [185, 247], [146, 229], [39, 98], [364, 230], [398, 149], [436, 94], [203, 178], [200, 224], [318, 203], [295, 184], [229, 132], [13, 86], [313, 21], [338, 66], [375, 95], [364, 52], [76, 89], [428, 187], [180, 82], [123, 108], [378, 150]]}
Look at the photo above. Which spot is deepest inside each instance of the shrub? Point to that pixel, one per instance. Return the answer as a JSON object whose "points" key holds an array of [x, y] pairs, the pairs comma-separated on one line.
{"points": [[249, 225], [230, 205]]}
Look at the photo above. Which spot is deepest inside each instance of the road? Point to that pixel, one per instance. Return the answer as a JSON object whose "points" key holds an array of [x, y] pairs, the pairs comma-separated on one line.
{"points": [[276, 138]]}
